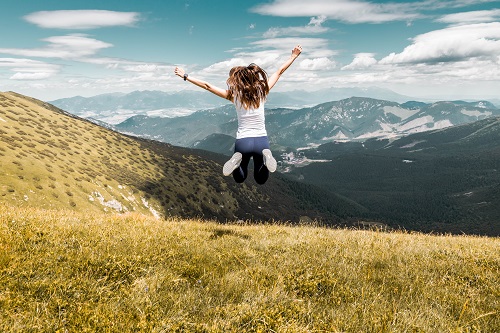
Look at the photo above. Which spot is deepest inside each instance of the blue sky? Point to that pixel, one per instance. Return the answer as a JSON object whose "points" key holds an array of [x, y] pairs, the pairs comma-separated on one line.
{"points": [[427, 48]]}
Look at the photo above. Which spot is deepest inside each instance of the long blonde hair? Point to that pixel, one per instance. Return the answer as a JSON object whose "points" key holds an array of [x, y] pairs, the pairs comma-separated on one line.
{"points": [[248, 86]]}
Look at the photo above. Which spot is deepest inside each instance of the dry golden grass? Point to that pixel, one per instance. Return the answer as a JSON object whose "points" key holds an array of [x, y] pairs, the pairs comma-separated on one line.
{"points": [[62, 271], [53, 160]]}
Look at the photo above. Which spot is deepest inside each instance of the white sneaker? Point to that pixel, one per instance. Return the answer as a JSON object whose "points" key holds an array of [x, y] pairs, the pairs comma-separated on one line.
{"points": [[269, 160], [232, 164]]}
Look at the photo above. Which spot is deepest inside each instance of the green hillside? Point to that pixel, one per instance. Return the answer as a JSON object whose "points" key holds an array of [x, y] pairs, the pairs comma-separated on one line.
{"points": [[445, 180], [63, 271], [51, 159]]}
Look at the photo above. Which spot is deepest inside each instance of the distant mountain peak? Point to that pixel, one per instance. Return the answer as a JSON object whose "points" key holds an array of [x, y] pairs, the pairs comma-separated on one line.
{"points": [[352, 118]]}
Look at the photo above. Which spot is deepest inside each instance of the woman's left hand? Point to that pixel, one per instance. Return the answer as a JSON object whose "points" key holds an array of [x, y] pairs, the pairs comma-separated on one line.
{"points": [[179, 71], [297, 50]]}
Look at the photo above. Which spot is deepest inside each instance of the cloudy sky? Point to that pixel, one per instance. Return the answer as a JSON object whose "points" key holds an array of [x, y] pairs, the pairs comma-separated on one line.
{"points": [[422, 48]]}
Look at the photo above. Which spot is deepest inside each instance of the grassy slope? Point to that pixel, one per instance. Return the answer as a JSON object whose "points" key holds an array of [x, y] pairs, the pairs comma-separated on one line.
{"points": [[64, 271], [53, 160]]}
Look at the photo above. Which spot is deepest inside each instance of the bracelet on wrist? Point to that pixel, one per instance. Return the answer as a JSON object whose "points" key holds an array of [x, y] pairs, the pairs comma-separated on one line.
{"points": [[185, 77]]}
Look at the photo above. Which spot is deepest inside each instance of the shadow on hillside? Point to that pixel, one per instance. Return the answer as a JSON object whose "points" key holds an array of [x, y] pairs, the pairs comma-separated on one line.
{"points": [[192, 186]]}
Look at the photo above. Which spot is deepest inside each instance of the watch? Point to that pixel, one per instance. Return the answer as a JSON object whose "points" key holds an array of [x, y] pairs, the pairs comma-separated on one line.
{"points": [[185, 77]]}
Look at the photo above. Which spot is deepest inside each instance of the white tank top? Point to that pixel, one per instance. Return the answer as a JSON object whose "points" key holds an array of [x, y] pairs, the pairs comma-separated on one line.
{"points": [[251, 123]]}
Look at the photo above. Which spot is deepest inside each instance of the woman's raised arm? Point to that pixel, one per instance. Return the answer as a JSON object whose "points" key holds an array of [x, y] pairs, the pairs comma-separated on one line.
{"points": [[275, 77], [202, 84]]}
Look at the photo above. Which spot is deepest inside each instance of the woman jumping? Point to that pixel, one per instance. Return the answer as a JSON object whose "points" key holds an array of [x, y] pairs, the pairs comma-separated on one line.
{"points": [[248, 88]]}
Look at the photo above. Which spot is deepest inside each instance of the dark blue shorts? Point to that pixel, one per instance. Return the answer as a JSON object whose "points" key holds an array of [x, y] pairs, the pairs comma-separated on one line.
{"points": [[251, 147]]}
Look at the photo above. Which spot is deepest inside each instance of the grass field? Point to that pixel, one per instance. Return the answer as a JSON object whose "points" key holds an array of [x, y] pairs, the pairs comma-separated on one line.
{"points": [[62, 271]]}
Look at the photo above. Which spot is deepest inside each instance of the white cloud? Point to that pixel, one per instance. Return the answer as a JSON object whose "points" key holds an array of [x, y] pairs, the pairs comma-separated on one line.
{"points": [[81, 19], [77, 48], [223, 67], [137, 67], [313, 47], [317, 21], [360, 11], [427, 78], [268, 60], [480, 16], [63, 47], [294, 31], [316, 64], [141, 68], [435, 62], [451, 44], [14, 62], [27, 69], [265, 58], [361, 61], [447, 4], [30, 76], [314, 27], [343, 10], [272, 52]]}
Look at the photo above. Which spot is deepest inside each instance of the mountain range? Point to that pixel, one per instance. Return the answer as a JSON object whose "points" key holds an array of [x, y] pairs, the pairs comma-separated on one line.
{"points": [[55, 160], [116, 107], [445, 180], [437, 180], [355, 118]]}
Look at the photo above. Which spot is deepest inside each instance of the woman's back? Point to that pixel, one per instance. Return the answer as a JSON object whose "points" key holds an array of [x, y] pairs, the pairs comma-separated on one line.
{"points": [[251, 122]]}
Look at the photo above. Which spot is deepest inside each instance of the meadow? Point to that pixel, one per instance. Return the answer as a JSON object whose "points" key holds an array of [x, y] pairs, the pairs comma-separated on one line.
{"points": [[66, 271]]}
